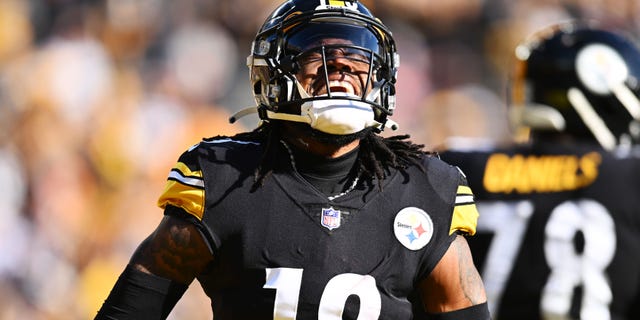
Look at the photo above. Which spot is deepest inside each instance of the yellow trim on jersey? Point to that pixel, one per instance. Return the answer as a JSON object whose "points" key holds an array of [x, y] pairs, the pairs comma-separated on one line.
{"points": [[465, 213], [184, 189], [464, 190], [182, 167]]}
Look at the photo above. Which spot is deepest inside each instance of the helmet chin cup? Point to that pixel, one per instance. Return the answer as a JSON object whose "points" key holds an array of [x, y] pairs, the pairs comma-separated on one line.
{"points": [[332, 115], [339, 116]]}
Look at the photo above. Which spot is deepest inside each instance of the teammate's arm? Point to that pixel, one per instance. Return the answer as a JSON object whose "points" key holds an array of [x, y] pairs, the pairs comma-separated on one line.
{"points": [[454, 289], [158, 273]]}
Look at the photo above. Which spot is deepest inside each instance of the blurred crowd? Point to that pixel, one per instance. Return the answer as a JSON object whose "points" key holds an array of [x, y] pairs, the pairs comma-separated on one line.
{"points": [[99, 97]]}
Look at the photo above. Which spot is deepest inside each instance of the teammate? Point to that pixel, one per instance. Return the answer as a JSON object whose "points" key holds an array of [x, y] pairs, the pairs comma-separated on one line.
{"points": [[313, 215], [559, 231]]}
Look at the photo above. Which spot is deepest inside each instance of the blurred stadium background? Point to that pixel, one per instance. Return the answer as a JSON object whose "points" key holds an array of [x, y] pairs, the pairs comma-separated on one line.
{"points": [[99, 97]]}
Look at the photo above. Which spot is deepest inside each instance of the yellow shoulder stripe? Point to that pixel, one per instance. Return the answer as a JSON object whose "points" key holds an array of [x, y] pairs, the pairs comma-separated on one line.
{"points": [[465, 213], [184, 189], [464, 190], [180, 166]]}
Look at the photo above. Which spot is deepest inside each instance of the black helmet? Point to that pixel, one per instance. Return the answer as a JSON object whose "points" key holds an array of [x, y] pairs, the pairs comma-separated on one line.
{"points": [[294, 28], [580, 80]]}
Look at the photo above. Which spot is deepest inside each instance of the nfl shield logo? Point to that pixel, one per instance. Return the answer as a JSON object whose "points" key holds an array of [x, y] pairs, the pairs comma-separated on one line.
{"points": [[330, 218]]}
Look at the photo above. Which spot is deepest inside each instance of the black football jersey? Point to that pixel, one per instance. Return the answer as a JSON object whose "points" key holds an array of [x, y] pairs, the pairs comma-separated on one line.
{"points": [[559, 231], [287, 251]]}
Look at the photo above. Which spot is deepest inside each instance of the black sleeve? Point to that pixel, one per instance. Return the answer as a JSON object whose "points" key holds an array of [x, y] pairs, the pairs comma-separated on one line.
{"points": [[139, 295], [475, 312]]}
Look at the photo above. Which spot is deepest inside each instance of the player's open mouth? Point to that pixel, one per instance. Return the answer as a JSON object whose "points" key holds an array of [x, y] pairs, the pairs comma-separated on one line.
{"points": [[336, 86]]}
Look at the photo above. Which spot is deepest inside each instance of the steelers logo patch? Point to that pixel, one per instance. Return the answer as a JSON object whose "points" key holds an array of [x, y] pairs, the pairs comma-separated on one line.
{"points": [[601, 68], [413, 227]]}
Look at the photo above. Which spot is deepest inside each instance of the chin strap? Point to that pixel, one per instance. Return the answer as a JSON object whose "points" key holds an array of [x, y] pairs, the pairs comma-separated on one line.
{"points": [[295, 118], [391, 125], [242, 113]]}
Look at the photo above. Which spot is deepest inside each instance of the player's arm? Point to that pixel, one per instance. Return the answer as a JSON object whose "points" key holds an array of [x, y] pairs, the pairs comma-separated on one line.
{"points": [[454, 289], [158, 273]]}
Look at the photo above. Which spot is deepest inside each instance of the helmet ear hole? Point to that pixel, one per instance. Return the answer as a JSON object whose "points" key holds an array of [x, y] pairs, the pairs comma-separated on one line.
{"points": [[392, 90], [257, 87], [382, 73], [288, 65]]}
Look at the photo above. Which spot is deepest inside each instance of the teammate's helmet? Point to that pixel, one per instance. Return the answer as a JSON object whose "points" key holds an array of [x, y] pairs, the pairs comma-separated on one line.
{"points": [[293, 29], [579, 80]]}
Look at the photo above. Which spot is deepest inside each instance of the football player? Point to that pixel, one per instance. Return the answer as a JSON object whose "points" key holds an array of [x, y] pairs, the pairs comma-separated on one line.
{"points": [[313, 215], [558, 236]]}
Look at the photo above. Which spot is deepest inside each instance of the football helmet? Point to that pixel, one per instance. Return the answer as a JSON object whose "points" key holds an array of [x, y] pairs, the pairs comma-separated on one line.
{"points": [[294, 31], [580, 80]]}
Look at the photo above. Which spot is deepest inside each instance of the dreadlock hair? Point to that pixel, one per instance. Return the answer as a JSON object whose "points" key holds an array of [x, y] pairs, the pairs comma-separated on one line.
{"points": [[377, 154]]}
